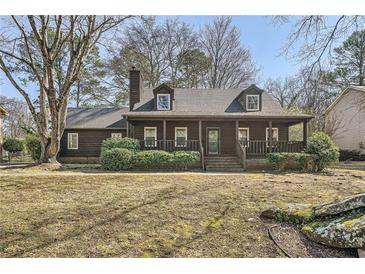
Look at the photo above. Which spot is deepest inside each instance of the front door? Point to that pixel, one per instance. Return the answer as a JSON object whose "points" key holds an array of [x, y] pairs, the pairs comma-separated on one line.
{"points": [[213, 140]]}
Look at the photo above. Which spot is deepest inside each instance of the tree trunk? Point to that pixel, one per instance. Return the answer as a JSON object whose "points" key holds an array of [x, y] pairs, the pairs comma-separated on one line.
{"points": [[49, 151]]}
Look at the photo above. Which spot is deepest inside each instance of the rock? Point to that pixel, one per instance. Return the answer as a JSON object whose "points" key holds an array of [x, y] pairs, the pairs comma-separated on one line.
{"points": [[344, 232], [294, 213], [342, 206], [361, 252]]}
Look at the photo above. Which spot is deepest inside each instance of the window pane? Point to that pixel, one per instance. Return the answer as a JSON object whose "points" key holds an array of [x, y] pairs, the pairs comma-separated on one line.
{"points": [[243, 135], [163, 102], [150, 132], [72, 141], [150, 137], [252, 102], [180, 136]]}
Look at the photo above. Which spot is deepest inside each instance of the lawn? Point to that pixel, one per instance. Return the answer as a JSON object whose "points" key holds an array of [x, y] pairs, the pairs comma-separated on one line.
{"points": [[91, 214]]}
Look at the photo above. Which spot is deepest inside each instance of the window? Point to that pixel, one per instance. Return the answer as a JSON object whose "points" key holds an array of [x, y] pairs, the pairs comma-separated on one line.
{"points": [[275, 134], [252, 102], [73, 141], [181, 136], [116, 134], [243, 135], [150, 136], [163, 101]]}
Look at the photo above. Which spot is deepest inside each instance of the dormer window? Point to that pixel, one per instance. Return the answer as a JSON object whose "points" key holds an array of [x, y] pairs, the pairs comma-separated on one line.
{"points": [[163, 101], [252, 102]]}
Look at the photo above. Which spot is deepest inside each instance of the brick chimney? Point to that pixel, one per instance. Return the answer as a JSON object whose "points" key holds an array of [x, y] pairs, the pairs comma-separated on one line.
{"points": [[135, 87]]}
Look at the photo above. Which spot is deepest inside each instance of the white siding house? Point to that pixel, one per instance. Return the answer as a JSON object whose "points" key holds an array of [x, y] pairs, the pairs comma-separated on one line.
{"points": [[345, 119]]}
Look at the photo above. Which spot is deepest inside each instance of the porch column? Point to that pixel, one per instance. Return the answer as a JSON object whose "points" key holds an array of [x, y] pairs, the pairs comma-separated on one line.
{"points": [[127, 125], [164, 134], [200, 133], [270, 136], [237, 126], [305, 132]]}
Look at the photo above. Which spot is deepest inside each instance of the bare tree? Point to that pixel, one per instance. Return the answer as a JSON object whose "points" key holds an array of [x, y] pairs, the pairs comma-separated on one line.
{"points": [[146, 43], [286, 91], [231, 64], [156, 48], [180, 38], [35, 43], [19, 121], [316, 36]]}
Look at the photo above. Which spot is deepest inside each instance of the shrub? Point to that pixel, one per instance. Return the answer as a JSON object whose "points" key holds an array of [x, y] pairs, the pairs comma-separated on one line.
{"points": [[287, 160], [184, 158], [277, 160], [324, 149], [13, 145], [117, 159], [353, 155], [119, 142], [153, 158], [33, 144]]}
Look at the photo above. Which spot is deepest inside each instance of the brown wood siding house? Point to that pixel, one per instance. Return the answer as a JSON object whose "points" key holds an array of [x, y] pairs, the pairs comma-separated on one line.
{"points": [[86, 129], [215, 122]]}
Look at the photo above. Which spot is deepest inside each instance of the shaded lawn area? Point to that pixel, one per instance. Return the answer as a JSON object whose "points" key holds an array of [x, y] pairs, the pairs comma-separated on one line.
{"points": [[74, 214]]}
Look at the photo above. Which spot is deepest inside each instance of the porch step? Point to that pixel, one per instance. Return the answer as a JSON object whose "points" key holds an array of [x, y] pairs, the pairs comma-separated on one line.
{"points": [[223, 163]]}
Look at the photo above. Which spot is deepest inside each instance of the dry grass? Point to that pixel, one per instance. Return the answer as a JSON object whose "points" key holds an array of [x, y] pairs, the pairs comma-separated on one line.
{"points": [[75, 214]]}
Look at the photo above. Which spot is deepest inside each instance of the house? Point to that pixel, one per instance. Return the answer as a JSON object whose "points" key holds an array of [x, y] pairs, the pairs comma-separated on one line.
{"points": [[2, 114], [345, 119], [225, 126], [85, 130]]}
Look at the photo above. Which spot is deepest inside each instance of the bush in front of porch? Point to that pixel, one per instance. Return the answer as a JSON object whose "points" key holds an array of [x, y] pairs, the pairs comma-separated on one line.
{"points": [[120, 142], [291, 160], [124, 153], [320, 153]]}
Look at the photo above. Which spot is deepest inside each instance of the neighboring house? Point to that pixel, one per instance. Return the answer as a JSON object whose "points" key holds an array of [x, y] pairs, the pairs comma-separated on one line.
{"points": [[2, 114], [345, 119], [220, 124]]}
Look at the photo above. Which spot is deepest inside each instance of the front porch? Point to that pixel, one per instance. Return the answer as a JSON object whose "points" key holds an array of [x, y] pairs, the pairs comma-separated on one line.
{"points": [[245, 138]]}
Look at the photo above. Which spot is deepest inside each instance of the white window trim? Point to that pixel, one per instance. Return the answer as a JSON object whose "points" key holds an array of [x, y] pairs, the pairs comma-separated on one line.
{"points": [[248, 133], [144, 136], [116, 134], [69, 138], [258, 102], [164, 94], [186, 136], [267, 131]]}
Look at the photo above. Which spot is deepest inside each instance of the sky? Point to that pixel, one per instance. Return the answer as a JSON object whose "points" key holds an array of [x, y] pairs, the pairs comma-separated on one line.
{"points": [[258, 33]]}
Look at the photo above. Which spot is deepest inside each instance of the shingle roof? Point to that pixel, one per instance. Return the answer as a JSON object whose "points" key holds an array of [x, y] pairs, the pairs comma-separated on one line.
{"points": [[209, 102], [95, 118]]}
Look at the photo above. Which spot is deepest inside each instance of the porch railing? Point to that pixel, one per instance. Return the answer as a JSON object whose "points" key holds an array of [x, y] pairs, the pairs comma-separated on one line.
{"points": [[170, 145], [261, 147]]}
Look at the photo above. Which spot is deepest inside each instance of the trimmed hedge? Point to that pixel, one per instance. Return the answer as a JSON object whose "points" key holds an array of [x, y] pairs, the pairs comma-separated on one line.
{"points": [[124, 153], [120, 142], [117, 159], [184, 158], [153, 158], [353, 155], [296, 161]]}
